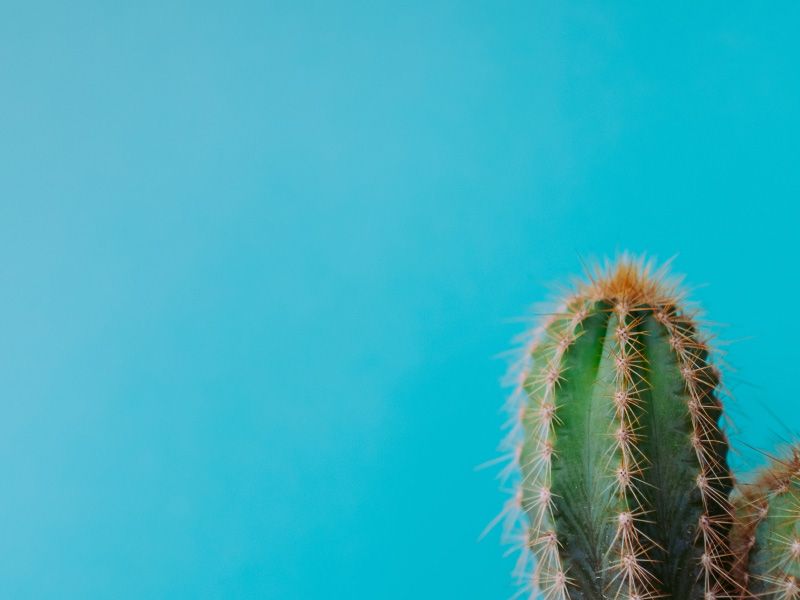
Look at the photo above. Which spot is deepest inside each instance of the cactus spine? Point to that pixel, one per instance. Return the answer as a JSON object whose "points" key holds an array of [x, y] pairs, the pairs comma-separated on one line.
{"points": [[623, 464], [767, 532]]}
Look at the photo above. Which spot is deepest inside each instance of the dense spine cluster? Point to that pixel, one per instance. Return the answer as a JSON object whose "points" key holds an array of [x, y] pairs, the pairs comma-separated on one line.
{"points": [[623, 465], [767, 533]]}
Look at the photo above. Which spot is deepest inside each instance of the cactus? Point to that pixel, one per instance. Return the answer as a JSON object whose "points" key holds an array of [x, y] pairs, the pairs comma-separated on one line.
{"points": [[766, 536], [623, 464]]}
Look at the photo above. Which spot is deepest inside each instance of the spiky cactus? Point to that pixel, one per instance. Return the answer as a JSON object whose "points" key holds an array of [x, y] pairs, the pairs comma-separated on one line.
{"points": [[624, 473], [766, 535]]}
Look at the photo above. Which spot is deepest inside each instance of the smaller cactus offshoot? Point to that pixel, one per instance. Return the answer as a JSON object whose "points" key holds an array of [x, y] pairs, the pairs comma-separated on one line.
{"points": [[766, 536]]}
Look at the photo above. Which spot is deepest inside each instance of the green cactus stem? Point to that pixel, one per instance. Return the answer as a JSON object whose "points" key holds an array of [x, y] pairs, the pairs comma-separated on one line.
{"points": [[623, 465], [766, 535]]}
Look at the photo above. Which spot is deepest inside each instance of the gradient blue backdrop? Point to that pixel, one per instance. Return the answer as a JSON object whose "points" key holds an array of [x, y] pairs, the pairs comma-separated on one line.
{"points": [[257, 259]]}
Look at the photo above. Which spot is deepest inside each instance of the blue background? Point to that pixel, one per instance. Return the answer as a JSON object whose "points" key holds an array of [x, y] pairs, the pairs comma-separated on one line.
{"points": [[258, 260]]}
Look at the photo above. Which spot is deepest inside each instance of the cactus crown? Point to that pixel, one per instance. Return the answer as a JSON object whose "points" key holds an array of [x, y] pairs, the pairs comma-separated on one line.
{"points": [[623, 464], [628, 281]]}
